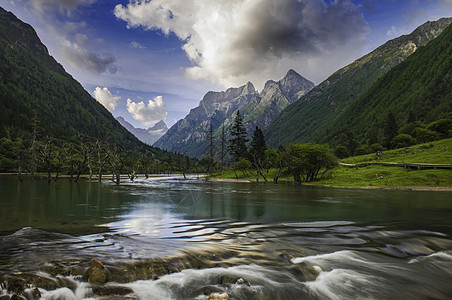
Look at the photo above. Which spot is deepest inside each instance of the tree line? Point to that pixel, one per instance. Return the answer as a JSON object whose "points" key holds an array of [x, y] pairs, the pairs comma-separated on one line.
{"points": [[37, 153], [305, 162]]}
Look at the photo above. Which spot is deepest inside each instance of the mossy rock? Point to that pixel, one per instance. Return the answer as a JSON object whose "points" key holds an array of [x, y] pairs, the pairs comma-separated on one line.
{"points": [[97, 273]]}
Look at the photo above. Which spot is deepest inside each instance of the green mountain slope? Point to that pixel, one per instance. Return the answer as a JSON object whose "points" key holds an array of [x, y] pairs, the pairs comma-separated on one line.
{"points": [[421, 86], [311, 118], [32, 84]]}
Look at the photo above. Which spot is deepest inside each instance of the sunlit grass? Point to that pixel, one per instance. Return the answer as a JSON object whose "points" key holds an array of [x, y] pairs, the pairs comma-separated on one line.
{"points": [[439, 152]]}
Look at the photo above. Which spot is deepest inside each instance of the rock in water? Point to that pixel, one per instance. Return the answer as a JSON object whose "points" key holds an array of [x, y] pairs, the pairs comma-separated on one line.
{"points": [[218, 296], [97, 273]]}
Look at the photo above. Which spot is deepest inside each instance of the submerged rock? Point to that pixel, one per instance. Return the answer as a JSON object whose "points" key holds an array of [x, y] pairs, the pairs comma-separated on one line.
{"points": [[110, 290], [231, 279], [97, 273], [218, 296], [304, 272], [15, 285], [17, 297]]}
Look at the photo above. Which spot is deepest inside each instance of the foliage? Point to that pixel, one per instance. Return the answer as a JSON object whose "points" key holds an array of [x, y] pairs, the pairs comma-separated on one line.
{"points": [[402, 140], [305, 161], [237, 143]]}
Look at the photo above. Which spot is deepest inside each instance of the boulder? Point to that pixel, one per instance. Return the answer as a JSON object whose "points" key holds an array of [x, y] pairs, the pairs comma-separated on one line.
{"points": [[97, 273]]}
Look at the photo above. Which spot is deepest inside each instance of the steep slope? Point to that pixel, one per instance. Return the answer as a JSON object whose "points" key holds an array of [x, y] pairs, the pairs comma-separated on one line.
{"points": [[312, 117], [148, 136], [420, 86], [273, 99], [32, 84], [257, 109]]}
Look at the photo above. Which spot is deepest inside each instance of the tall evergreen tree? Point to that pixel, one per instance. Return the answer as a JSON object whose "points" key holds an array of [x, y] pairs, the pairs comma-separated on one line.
{"points": [[223, 146], [390, 129], [258, 146], [211, 147], [237, 143]]}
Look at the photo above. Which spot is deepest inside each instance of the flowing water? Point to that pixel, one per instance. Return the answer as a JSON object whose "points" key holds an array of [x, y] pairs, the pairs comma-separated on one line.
{"points": [[168, 238]]}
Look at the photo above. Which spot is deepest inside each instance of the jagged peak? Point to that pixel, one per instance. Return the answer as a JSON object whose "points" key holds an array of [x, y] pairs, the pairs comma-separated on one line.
{"points": [[269, 83], [248, 88]]}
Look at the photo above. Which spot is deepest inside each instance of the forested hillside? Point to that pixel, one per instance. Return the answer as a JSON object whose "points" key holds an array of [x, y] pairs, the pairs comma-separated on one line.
{"points": [[313, 116], [40, 102], [411, 103]]}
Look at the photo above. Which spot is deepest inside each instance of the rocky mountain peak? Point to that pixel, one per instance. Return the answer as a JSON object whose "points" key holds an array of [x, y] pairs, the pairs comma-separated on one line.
{"points": [[161, 125], [294, 85]]}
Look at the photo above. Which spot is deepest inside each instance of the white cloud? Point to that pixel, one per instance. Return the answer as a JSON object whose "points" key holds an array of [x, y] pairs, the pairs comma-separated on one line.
{"points": [[104, 96], [232, 42], [137, 45], [151, 113]]}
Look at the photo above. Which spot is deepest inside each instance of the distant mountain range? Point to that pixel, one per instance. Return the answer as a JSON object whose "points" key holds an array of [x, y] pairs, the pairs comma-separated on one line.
{"points": [[316, 115], [148, 136], [217, 109]]}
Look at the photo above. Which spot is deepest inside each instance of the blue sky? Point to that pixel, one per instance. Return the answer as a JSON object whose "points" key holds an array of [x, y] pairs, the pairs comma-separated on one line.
{"points": [[152, 60]]}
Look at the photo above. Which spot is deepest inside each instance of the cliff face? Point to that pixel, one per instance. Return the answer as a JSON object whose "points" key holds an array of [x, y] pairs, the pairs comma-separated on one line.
{"points": [[214, 108], [189, 135]]}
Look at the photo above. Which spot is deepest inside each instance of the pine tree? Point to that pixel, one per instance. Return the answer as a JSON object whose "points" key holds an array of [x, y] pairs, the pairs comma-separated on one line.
{"points": [[390, 129], [237, 143], [223, 146], [258, 146], [211, 147]]}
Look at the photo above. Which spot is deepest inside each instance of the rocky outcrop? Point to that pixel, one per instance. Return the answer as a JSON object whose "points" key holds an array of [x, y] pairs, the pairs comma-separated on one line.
{"points": [[217, 109]]}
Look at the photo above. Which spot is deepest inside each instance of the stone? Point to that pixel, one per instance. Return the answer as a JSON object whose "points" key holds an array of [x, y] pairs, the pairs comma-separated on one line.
{"points": [[97, 273], [218, 296], [16, 285], [111, 290], [17, 297]]}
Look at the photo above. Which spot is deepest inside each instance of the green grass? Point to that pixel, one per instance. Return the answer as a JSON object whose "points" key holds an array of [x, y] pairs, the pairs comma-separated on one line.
{"points": [[380, 176], [438, 152]]}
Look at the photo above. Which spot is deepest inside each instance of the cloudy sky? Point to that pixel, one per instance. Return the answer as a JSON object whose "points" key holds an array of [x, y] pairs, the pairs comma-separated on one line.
{"points": [[148, 60]]}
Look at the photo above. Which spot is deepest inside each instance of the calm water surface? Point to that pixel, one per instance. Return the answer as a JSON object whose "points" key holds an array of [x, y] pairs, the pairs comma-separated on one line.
{"points": [[168, 238]]}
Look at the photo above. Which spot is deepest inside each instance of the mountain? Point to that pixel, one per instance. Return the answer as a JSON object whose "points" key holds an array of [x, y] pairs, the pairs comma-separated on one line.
{"points": [[33, 86], [313, 117], [186, 135], [421, 86], [148, 136], [216, 109]]}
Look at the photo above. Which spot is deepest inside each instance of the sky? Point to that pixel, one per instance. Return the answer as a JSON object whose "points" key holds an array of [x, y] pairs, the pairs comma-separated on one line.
{"points": [[152, 60]]}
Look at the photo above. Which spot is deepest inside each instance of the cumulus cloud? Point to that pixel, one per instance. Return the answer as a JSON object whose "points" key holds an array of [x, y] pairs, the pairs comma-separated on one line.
{"points": [[231, 42], [151, 113], [104, 96]]}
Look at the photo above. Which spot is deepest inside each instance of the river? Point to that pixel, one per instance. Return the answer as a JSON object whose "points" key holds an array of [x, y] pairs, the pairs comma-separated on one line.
{"points": [[169, 238]]}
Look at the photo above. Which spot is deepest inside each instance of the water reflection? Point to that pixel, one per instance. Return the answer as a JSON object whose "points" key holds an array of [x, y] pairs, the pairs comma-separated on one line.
{"points": [[354, 242]]}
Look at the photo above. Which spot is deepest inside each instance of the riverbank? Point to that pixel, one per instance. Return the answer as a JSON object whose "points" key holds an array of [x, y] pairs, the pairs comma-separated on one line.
{"points": [[401, 188]]}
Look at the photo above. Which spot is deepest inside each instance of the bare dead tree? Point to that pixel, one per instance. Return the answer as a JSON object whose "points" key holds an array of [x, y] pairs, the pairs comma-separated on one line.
{"points": [[46, 151]]}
